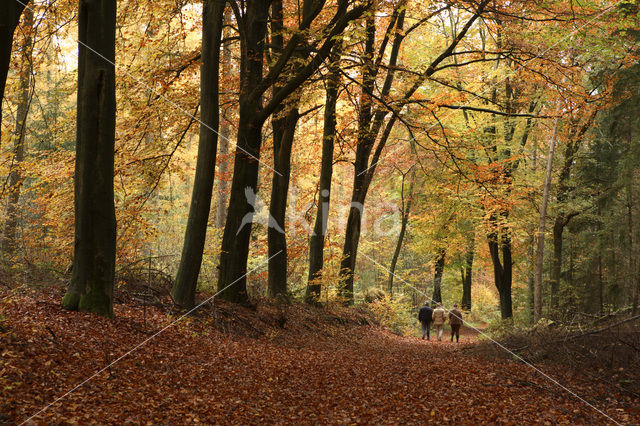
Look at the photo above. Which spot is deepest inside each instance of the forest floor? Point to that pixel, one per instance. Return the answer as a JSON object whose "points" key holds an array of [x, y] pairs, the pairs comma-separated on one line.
{"points": [[271, 364]]}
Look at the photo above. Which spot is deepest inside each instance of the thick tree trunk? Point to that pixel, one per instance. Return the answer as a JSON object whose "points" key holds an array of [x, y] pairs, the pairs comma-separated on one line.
{"points": [[467, 274], [316, 242], [283, 132], [15, 177], [9, 19], [244, 187], [406, 210], [184, 289], [91, 287], [437, 279], [237, 231], [537, 289]]}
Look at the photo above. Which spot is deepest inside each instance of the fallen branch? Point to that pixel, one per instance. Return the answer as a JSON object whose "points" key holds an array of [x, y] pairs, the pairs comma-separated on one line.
{"points": [[603, 329]]}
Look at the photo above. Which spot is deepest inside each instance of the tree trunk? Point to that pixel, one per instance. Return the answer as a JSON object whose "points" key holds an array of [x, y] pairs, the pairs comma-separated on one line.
{"points": [[467, 274], [184, 289], [406, 210], [283, 132], [316, 242], [365, 144], [225, 138], [9, 19], [284, 122], [370, 122], [91, 286], [437, 279], [15, 177], [253, 26], [244, 187], [537, 289], [500, 243]]}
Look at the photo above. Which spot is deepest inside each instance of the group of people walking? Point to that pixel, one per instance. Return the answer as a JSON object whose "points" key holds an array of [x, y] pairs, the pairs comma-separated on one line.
{"points": [[437, 316]]}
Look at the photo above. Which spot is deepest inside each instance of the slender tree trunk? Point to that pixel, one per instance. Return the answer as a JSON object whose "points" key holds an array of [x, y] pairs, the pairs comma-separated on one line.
{"points": [[284, 122], [9, 19], [91, 286], [541, 228], [184, 289], [225, 137], [365, 145], [437, 279], [556, 268], [283, 133], [253, 28], [406, 210], [370, 122], [316, 242], [15, 177], [467, 274]]}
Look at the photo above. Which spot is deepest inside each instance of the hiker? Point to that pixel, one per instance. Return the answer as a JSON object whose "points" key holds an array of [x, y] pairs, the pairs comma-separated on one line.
{"points": [[455, 319], [438, 317], [424, 316]]}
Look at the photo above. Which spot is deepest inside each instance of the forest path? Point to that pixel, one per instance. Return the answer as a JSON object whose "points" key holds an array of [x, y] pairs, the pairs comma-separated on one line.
{"points": [[309, 374]]}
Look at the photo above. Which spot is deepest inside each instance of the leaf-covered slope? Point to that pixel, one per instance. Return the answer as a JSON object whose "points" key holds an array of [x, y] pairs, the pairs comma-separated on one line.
{"points": [[317, 368]]}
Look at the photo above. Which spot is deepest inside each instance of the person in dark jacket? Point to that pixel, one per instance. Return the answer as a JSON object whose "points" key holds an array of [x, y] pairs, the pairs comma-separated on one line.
{"points": [[425, 320]]}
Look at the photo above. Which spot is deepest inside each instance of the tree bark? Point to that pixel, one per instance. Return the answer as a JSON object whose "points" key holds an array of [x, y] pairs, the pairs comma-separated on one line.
{"points": [[406, 210], [225, 138], [244, 187], [499, 240], [437, 279], [15, 177], [9, 19], [316, 242], [253, 29], [564, 217], [467, 274], [184, 288], [369, 124], [283, 132], [537, 289], [284, 122], [91, 286]]}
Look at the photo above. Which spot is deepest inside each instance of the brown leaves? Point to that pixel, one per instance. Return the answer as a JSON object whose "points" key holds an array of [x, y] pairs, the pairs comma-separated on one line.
{"points": [[315, 370]]}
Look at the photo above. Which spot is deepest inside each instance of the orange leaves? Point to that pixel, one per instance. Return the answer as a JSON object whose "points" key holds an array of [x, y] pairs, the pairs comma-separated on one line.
{"points": [[315, 370]]}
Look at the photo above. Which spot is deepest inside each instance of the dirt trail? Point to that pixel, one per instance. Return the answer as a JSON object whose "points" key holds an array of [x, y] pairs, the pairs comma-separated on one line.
{"points": [[326, 372]]}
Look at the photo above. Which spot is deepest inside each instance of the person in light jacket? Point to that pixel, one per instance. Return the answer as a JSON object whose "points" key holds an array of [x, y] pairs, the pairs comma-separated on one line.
{"points": [[455, 319], [438, 319]]}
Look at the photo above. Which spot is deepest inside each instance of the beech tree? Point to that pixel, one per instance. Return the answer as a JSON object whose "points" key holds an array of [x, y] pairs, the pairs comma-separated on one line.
{"points": [[373, 129], [317, 239], [184, 289], [252, 23], [91, 286]]}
